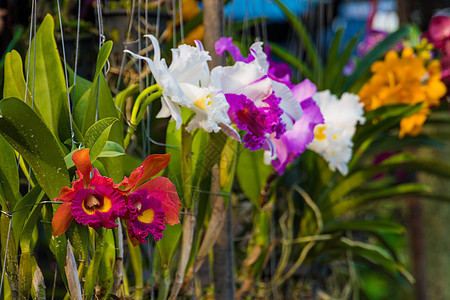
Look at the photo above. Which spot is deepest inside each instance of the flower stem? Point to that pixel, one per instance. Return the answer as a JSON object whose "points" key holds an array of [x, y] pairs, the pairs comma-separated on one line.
{"points": [[139, 110]]}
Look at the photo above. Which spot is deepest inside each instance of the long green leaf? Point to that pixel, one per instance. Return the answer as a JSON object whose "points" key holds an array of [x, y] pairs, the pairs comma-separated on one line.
{"points": [[23, 208], [352, 203], [252, 173], [48, 84], [92, 272], [292, 60], [14, 85], [9, 176], [366, 225], [30, 136]]}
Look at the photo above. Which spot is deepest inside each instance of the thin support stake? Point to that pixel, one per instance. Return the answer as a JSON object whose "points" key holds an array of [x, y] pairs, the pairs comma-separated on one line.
{"points": [[72, 134]]}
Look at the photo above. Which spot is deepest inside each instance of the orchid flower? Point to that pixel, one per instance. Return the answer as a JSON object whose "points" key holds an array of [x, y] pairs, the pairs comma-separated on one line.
{"points": [[333, 139], [151, 204], [187, 82], [92, 201], [258, 104], [294, 141]]}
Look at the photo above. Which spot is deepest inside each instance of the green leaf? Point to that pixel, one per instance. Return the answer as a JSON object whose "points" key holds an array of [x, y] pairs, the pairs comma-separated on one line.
{"points": [[351, 203], [14, 85], [81, 86], [252, 173], [9, 176], [57, 244], [97, 135], [106, 108], [112, 149], [359, 177], [121, 98], [377, 255], [335, 75], [293, 60], [92, 272], [29, 135], [105, 272], [304, 37], [168, 243], [173, 140], [49, 83], [102, 57], [11, 264], [376, 53], [372, 129], [23, 208], [79, 109], [100, 103], [366, 225]]}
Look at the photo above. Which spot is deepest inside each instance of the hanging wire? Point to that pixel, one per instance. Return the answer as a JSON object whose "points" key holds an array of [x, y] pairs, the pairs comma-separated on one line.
{"points": [[101, 40], [33, 8], [180, 11], [174, 23], [77, 42], [72, 134], [125, 45]]}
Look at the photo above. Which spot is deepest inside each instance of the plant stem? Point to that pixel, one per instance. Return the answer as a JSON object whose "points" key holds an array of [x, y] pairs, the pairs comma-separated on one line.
{"points": [[139, 110]]}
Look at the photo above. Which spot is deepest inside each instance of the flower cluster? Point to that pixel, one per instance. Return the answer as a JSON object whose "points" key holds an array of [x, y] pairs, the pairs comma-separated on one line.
{"points": [[254, 95], [404, 79], [95, 201]]}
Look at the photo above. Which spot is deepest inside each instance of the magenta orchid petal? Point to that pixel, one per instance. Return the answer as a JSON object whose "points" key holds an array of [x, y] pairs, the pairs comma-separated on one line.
{"points": [[98, 207], [304, 90], [278, 71], [226, 44], [145, 215], [439, 30], [257, 121]]}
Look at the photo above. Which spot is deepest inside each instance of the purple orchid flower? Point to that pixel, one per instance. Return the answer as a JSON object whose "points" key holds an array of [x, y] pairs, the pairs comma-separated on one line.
{"points": [[261, 103]]}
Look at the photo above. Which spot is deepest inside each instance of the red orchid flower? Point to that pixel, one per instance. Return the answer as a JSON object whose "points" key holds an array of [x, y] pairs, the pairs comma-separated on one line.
{"points": [[92, 201], [151, 204]]}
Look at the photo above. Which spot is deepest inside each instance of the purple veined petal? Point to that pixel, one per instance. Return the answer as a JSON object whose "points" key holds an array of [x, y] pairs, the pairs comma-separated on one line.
{"points": [[226, 44], [259, 122], [304, 90]]}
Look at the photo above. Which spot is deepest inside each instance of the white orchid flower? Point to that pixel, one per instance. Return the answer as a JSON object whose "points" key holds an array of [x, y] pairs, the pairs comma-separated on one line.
{"points": [[333, 139]]}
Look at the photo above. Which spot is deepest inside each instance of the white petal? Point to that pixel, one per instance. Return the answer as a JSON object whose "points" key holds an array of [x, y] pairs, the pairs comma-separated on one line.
{"points": [[247, 79]]}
